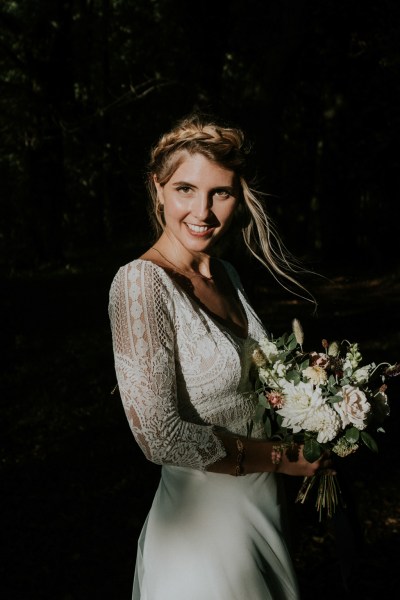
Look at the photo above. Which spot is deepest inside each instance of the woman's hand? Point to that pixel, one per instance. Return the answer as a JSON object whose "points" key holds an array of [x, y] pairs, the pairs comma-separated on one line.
{"points": [[289, 465]]}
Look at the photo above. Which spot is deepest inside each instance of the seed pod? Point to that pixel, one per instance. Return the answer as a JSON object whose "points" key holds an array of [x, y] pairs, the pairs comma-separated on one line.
{"points": [[333, 349], [298, 331]]}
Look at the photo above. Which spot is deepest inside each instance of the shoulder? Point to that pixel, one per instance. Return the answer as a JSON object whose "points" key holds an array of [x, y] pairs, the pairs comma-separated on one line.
{"points": [[141, 281], [140, 272]]}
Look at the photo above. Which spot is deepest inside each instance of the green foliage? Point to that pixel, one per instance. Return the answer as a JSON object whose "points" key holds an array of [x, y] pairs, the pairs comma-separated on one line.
{"points": [[259, 414], [334, 399], [369, 441], [304, 365], [293, 376], [312, 449], [352, 435], [268, 427]]}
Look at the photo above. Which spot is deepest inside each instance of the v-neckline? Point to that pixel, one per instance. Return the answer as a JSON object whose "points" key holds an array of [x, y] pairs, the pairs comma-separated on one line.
{"points": [[216, 320]]}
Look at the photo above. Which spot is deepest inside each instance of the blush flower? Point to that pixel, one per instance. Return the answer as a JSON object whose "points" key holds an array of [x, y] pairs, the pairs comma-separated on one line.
{"points": [[354, 407], [315, 374], [275, 399], [319, 359]]}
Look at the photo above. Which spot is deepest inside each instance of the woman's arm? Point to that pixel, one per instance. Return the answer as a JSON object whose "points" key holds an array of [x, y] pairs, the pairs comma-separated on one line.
{"points": [[244, 456], [142, 322]]}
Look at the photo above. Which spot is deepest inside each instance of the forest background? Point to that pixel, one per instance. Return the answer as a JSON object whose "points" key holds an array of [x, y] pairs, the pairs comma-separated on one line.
{"points": [[87, 86]]}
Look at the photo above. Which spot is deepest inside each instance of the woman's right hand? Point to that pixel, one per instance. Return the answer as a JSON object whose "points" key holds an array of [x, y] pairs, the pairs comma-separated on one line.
{"points": [[289, 465]]}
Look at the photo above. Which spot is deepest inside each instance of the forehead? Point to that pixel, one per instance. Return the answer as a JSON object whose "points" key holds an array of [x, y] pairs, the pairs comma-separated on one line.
{"points": [[196, 168]]}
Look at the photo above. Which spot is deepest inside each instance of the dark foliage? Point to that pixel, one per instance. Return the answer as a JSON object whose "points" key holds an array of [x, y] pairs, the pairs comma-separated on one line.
{"points": [[86, 88]]}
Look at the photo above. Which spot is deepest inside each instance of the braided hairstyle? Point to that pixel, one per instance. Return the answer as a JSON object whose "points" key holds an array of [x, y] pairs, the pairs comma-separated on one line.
{"points": [[227, 147]]}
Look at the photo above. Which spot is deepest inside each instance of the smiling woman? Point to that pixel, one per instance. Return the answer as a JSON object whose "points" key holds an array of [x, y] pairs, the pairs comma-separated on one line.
{"points": [[183, 334], [198, 203]]}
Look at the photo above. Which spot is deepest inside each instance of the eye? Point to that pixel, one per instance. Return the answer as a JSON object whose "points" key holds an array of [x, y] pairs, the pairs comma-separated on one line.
{"points": [[184, 189], [222, 193]]}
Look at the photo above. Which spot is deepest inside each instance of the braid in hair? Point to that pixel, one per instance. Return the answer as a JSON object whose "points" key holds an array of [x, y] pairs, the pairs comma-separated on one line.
{"points": [[225, 146]]}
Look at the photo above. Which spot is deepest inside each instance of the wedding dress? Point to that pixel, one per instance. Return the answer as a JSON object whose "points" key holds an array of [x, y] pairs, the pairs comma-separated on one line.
{"points": [[181, 373]]}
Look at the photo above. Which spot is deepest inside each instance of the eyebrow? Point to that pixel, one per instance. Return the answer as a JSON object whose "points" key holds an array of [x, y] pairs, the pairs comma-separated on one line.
{"points": [[176, 183], [228, 188]]}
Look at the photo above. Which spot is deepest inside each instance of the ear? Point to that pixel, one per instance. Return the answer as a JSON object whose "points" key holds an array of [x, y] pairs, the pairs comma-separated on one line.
{"points": [[160, 189]]}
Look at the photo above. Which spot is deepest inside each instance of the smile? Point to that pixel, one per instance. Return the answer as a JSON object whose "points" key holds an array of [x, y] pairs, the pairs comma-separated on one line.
{"points": [[198, 228]]}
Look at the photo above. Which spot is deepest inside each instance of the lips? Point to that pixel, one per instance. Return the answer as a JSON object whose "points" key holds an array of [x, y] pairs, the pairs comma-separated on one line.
{"points": [[200, 230]]}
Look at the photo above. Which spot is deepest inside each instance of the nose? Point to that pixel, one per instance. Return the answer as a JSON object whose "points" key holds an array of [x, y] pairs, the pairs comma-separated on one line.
{"points": [[201, 207]]}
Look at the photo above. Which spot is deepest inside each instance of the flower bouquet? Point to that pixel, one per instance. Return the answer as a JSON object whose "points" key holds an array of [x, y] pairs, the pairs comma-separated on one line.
{"points": [[327, 401]]}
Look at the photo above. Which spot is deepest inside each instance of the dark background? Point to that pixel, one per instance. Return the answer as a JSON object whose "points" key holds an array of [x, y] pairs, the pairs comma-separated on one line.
{"points": [[86, 87]]}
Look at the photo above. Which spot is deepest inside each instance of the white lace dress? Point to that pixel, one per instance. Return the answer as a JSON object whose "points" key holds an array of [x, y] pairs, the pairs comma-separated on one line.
{"points": [[180, 373]]}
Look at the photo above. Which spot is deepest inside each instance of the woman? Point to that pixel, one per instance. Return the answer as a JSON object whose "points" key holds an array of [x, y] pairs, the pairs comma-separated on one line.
{"points": [[183, 335]]}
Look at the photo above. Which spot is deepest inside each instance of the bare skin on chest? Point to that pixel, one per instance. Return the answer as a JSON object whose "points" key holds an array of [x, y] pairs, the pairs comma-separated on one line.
{"points": [[219, 298]]}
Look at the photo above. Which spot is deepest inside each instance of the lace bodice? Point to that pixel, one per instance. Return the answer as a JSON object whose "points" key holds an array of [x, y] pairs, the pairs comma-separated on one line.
{"points": [[180, 372]]}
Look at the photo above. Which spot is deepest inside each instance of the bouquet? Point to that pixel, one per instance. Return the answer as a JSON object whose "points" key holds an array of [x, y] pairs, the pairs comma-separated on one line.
{"points": [[328, 401]]}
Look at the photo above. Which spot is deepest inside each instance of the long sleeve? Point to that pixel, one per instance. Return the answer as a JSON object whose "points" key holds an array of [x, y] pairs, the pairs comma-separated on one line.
{"points": [[141, 312]]}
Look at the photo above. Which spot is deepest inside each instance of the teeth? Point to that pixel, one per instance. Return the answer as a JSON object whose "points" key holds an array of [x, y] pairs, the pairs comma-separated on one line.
{"points": [[197, 228]]}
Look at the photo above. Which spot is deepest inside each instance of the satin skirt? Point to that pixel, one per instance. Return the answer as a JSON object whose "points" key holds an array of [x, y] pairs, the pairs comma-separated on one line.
{"points": [[214, 537]]}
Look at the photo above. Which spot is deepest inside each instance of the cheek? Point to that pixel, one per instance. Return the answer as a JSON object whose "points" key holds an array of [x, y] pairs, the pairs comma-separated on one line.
{"points": [[175, 207]]}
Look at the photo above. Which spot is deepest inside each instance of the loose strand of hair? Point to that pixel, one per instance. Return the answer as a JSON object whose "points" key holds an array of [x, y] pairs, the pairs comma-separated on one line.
{"points": [[261, 233]]}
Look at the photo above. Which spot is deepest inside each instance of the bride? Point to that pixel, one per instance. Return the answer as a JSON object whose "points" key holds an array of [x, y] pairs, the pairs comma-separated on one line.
{"points": [[183, 336]]}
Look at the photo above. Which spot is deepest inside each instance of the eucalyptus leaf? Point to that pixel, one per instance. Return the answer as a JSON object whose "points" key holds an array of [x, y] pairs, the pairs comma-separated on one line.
{"points": [[312, 450], [304, 365], [259, 414], [268, 427], [352, 435], [262, 401], [369, 441], [334, 399], [293, 376], [281, 341]]}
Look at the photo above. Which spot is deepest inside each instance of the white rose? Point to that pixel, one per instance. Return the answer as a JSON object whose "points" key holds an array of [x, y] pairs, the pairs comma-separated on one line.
{"points": [[353, 408]]}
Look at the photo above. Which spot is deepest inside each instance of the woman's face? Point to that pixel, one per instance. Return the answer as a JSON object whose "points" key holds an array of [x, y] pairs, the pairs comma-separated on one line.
{"points": [[198, 202]]}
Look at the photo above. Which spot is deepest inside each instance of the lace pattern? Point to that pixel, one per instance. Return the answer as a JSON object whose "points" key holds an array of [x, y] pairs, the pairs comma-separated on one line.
{"points": [[180, 373]]}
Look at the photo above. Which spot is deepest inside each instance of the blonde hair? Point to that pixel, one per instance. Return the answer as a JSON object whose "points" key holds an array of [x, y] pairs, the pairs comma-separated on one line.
{"points": [[227, 147]]}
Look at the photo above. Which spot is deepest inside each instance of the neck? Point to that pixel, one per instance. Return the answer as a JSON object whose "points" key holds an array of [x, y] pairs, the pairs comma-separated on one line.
{"points": [[183, 261]]}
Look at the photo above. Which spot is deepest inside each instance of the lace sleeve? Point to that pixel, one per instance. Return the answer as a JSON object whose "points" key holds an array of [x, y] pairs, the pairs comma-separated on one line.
{"points": [[142, 322]]}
